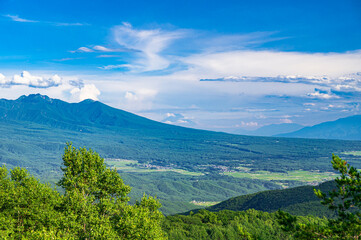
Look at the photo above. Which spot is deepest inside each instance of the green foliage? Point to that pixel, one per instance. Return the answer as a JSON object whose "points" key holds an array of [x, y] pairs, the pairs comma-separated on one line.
{"points": [[345, 201], [94, 205], [250, 224], [27, 207]]}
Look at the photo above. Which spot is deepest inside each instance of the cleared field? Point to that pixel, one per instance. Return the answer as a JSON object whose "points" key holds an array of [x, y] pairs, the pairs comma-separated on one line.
{"points": [[126, 165], [203, 204], [302, 176], [354, 153]]}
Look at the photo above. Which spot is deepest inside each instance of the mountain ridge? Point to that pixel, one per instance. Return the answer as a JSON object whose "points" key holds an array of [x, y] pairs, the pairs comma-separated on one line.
{"points": [[348, 128], [74, 116]]}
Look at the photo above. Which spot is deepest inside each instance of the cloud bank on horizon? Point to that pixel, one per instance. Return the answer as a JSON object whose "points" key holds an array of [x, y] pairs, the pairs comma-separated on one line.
{"points": [[193, 77]]}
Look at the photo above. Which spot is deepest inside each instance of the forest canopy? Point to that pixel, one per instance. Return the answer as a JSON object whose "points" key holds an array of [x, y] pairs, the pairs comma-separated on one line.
{"points": [[93, 206]]}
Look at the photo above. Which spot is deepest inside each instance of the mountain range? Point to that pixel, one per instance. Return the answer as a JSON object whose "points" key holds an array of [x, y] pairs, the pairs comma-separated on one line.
{"points": [[348, 128], [179, 165]]}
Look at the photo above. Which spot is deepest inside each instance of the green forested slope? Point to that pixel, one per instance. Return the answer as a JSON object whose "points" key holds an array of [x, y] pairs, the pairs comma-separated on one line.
{"points": [[176, 191], [298, 201]]}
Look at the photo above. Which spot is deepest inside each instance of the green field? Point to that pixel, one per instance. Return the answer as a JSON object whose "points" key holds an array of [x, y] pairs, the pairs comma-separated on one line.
{"points": [[203, 204], [302, 176], [126, 165], [354, 153]]}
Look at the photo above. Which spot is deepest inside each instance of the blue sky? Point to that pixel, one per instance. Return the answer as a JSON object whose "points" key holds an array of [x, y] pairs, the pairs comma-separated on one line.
{"points": [[219, 65]]}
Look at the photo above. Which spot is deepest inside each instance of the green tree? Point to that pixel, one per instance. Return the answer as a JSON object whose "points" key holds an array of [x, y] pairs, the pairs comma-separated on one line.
{"points": [[96, 201], [28, 208], [345, 200], [94, 205]]}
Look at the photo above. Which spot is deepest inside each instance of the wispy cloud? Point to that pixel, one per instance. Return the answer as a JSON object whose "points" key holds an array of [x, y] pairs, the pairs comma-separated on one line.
{"points": [[208, 55], [66, 59], [106, 49], [149, 43], [108, 56], [118, 66], [16, 18], [103, 49], [83, 49], [230, 42], [68, 24]]}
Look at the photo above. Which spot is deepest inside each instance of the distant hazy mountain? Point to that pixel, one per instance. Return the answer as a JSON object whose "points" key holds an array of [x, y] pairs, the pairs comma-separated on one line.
{"points": [[273, 129], [348, 128]]}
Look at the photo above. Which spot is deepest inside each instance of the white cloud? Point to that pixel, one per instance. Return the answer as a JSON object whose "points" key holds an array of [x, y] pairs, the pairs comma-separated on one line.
{"points": [[108, 56], [66, 59], [140, 94], [177, 119], [25, 78], [249, 124], [69, 24], [89, 91], [102, 49], [150, 44], [309, 104], [272, 63], [16, 18], [286, 120], [322, 95], [68, 89], [118, 66], [130, 96], [3, 80], [135, 97], [105, 49], [83, 49], [99, 48], [170, 115]]}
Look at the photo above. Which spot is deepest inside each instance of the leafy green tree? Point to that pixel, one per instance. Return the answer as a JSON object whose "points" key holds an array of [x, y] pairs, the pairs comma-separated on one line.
{"points": [[94, 205], [345, 200], [96, 201], [27, 207]]}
